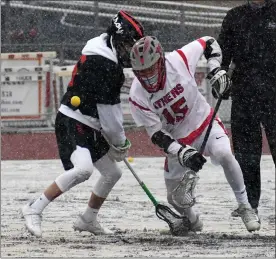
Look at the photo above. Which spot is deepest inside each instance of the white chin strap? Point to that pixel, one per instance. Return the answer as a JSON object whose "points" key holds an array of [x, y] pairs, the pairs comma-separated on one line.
{"points": [[112, 46]]}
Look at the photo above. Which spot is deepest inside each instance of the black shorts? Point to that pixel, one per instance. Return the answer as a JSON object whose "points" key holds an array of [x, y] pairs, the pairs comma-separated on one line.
{"points": [[70, 133]]}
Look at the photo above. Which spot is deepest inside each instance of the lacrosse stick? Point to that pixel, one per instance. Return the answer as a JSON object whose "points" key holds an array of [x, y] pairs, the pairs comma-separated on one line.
{"points": [[178, 224], [183, 194]]}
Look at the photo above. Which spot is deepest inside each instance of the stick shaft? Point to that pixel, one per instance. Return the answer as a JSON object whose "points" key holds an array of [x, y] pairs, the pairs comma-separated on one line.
{"points": [[145, 188], [206, 137], [133, 172], [230, 72]]}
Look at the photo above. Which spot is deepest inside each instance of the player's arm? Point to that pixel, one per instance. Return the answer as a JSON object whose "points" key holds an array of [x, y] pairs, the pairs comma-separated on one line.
{"points": [[111, 119], [210, 48], [187, 155], [192, 52], [106, 93]]}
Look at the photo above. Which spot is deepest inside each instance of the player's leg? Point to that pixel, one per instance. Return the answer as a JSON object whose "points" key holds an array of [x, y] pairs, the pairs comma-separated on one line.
{"points": [[173, 173], [269, 124], [78, 167], [219, 149], [247, 145], [110, 174]]}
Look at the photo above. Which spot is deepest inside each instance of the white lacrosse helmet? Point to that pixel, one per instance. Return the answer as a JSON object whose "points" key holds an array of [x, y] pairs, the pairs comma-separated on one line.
{"points": [[148, 63]]}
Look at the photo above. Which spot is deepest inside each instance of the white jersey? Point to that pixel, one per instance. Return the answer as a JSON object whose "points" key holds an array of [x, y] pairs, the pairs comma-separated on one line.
{"points": [[179, 107]]}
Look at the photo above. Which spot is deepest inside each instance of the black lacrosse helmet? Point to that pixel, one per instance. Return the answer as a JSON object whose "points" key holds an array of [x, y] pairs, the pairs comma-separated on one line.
{"points": [[125, 30]]}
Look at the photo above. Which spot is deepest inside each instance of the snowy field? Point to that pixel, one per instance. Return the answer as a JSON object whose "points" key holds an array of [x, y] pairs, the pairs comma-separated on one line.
{"points": [[131, 215]]}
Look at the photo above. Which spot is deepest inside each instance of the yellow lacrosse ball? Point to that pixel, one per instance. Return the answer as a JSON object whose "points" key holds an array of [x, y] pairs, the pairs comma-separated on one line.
{"points": [[130, 159], [75, 101]]}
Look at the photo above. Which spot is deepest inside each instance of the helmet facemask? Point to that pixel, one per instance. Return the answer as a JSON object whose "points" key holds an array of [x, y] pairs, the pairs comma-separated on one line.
{"points": [[148, 63], [152, 78]]}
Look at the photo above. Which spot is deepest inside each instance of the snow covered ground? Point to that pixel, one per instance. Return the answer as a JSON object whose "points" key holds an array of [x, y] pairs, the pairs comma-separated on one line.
{"points": [[131, 215]]}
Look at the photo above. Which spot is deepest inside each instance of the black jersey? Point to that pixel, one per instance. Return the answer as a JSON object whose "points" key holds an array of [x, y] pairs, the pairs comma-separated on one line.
{"points": [[248, 37], [97, 80]]}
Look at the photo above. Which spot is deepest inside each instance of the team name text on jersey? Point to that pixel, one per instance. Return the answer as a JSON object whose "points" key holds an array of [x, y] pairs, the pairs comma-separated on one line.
{"points": [[170, 96]]}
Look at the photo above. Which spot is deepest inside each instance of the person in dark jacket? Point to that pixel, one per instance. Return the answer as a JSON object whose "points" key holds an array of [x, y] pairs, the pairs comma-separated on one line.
{"points": [[248, 40], [91, 106]]}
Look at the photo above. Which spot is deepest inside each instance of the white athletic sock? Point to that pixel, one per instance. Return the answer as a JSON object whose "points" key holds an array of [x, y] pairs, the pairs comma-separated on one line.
{"points": [[241, 196], [90, 214], [41, 203], [234, 177]]}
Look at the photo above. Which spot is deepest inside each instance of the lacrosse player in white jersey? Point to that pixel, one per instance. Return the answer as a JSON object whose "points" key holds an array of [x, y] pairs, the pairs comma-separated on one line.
{"points": [[164, 98]]}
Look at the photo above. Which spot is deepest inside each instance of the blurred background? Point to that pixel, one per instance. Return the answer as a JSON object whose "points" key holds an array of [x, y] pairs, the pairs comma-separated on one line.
{"points": [[42, 40], [65, 26]]}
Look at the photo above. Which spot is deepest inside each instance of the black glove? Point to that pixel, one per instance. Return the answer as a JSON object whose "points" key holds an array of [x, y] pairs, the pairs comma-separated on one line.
{"points": [[220, 82], [190, 157]]}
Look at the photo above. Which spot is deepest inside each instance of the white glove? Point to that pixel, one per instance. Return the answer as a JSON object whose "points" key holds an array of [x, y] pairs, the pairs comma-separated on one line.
{"points": [[220, 82], [190, 157], [119, 153]]}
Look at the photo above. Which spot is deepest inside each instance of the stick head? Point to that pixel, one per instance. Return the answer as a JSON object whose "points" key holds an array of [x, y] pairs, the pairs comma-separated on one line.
{"points": [[179, 225], [183, 195]]}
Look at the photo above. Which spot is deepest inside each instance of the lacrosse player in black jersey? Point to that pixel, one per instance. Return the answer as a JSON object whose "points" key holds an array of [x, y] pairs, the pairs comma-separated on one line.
{"points": [[91, 105]]}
